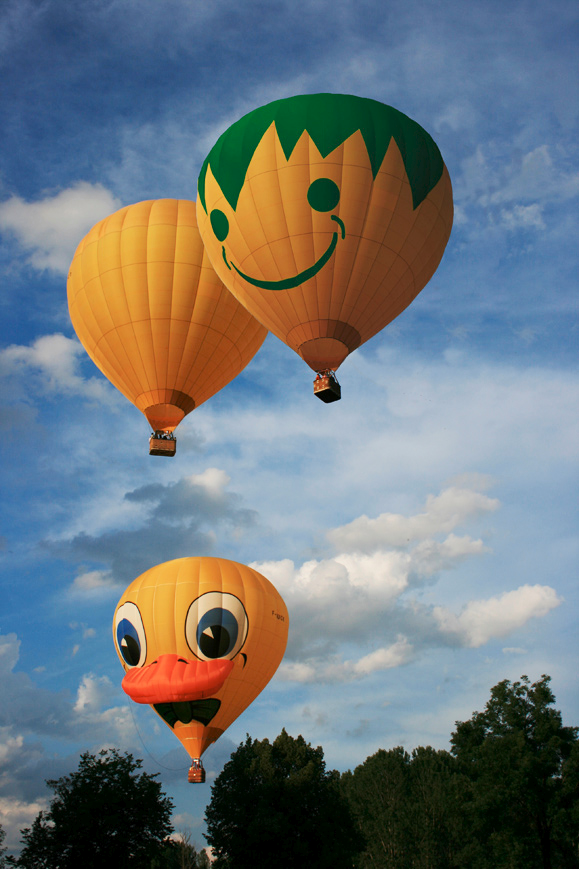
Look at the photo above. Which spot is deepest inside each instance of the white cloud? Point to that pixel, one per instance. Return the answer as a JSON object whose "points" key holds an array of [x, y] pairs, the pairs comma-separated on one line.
{"points": [[93, 692], [17, 814], [41, 712], [536, 176], [55, 359], [441, 513], [93, 580], [51, 228], [522, 185], [484, 620], [360, 611], [333, 669], [430, 556], [9, 744], [213, 480], [523, 216]]}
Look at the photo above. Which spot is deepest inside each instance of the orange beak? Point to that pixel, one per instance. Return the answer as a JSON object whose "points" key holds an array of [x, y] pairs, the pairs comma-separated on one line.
{"points": [[172, 679]]}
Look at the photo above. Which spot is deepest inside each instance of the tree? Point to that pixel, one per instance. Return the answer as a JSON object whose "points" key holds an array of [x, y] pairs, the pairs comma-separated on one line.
{"points": [[2, 849], [276, 805], [406, 808], [180, 854], [104, 814], [377, 792], [521, 768]]}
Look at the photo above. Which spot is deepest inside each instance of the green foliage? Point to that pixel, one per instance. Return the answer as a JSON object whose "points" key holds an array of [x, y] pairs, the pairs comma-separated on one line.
{"points": [[406, 808], [2, 849], [276, 805], [104, 814], [180, 854], [521, 765], [506, 798]]}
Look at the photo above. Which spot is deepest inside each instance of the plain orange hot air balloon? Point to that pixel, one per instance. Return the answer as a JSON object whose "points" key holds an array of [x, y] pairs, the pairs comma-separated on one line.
{"points": [[152, 314], [199, 639], [325, 215]]}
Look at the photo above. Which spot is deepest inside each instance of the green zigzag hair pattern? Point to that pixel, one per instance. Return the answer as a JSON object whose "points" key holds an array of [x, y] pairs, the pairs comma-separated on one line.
{"points": [[329, 120]]}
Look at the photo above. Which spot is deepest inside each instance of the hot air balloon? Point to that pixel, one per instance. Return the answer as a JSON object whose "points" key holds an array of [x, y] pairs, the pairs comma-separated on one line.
{"points": [[199, 639], [325, 215], [153, 315]]}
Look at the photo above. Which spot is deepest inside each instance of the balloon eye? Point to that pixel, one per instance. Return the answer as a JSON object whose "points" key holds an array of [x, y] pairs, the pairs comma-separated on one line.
{"points": [[323, 194], [130, 635], [217, 633], [219, 224], [216, 626]]}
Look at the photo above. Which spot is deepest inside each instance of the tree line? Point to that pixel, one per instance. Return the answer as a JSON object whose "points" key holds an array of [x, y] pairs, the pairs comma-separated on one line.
{"points": [[506, 796]]}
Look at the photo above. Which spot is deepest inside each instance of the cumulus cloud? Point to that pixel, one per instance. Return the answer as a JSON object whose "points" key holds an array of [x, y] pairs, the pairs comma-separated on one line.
{"points": [[55, 361], [334, 669], [534, 177], [93, 692], [50, 229], [441, 513], [29, 713], [93, 580], [184, 515], [45, 713], [358, 613], [483, 620]]}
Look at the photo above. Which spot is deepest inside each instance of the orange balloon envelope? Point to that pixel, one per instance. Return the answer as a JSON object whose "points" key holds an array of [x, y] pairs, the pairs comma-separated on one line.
{"points": [[199, 639], [325, 215], [153, 315]]}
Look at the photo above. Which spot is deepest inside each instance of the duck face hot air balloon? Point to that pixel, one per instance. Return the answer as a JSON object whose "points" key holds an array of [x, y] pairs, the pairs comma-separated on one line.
{"points": [[199, 638], [325, 215], [153, 315]]}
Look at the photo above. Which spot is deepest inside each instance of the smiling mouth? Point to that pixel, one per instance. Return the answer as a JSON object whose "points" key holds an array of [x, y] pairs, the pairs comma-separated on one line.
{"points": [[302, 277], [186, 711]]}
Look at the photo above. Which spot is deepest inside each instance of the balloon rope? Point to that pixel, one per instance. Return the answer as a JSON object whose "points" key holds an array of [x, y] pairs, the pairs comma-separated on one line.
{"points": [[153, 758]]}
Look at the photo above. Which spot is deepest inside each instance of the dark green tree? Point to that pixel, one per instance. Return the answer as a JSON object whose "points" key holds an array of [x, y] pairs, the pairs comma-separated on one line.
{"points": [[377, 791], [2, 849], [434, 809], [277, 805], [105, 814], [180, 854], [520, 770], [406, 808]]}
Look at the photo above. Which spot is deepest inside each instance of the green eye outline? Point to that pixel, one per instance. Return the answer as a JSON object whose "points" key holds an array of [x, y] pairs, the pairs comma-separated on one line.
{"points": [[219, 224], [323, 194]]}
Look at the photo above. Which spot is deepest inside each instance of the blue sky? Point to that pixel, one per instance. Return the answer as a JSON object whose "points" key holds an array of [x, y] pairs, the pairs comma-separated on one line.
{"points": [[423, 531]]}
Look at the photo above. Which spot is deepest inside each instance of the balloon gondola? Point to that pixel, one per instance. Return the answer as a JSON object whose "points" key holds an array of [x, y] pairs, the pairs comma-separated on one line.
{"points": [[152, 314], [325, 215]]}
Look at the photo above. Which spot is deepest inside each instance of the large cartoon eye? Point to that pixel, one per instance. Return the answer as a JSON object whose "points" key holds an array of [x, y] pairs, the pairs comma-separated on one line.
{"points": [[219, 224], [216, 626], [323, 194], [130, 635]]}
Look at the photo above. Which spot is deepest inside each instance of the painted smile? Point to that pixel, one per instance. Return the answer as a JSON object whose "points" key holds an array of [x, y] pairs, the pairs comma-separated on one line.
{"points": [[302, 277], [186, 711]]}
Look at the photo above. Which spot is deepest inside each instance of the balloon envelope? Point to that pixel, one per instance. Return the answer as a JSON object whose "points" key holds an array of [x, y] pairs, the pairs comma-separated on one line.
{"points": [[199, 639], [325, 215], [153, 315]]}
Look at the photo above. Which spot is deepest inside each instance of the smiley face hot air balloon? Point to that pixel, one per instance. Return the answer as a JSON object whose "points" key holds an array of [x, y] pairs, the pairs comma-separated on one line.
{"points": [[199, 639], [325, 215], [153, 315]]}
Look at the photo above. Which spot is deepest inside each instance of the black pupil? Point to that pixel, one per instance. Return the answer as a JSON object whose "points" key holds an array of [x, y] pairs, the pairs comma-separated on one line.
{"points": [[214, 641], [130, 650]]}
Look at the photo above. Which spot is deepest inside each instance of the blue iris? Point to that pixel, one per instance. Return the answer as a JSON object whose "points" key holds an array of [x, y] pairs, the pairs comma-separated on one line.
{"points": [[128, 642], [217, 633]]}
